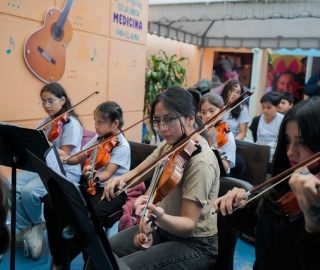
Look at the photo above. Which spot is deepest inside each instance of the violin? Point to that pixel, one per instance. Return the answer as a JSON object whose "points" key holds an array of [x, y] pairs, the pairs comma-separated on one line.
{"points": [[289, 205], [99, 157], [165, 178], [174, 159], [219, 136], [136, 178], [54, 130]]}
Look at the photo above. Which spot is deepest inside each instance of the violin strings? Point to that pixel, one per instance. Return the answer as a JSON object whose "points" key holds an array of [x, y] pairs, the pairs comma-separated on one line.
{"points": [[156, 176], [92, 162]]}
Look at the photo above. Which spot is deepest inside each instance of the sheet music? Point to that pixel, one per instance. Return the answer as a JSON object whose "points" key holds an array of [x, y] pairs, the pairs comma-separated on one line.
{"points": [[53, 161]]}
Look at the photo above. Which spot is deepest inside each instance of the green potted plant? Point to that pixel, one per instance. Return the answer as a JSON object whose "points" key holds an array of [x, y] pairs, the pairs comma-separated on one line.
{"points": [[162, 72]]}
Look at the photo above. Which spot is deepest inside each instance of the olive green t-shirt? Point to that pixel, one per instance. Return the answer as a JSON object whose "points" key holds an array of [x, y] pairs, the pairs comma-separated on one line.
{"points": [[199, 183]]}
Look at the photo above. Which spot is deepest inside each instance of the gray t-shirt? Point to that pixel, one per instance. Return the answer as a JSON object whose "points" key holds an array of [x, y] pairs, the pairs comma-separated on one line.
{"points": [[234, 123]]}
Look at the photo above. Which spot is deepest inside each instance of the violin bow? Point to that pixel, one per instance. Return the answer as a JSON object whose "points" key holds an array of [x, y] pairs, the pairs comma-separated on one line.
{"points": [[85, 99], [133, 180], [103, 141], [281, 177]]}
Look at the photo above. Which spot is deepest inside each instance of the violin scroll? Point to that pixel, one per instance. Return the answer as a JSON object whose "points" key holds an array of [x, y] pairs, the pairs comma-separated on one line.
{"points": [[143, 238], [91, 185]]}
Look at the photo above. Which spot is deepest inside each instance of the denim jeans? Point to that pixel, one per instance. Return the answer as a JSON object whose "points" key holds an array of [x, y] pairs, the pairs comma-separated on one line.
{"points": [[167, 251], [30, 190]]}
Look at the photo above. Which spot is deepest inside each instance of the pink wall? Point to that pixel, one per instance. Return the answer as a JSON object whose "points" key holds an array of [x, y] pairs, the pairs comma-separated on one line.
{"points": [[103, 55]]}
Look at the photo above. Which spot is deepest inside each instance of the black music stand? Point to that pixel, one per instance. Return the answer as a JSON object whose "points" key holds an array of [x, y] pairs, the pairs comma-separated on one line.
{"points": [[14, 141], [78, 222]]}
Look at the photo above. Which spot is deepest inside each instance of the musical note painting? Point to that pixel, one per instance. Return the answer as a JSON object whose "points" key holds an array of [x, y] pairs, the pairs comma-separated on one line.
{"points": [[11, 43], [45, 49]]}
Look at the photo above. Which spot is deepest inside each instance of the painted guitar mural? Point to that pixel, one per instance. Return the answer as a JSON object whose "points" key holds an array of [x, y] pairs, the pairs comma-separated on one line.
{"points": [[45, 49]]}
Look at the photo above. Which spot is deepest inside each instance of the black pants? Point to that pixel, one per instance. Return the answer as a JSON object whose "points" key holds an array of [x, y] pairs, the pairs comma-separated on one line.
{"points": [[103, 210]]}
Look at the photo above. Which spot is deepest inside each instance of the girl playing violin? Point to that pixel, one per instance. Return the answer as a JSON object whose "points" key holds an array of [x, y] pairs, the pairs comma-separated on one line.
{"points": [[209, 106], [238, 118], [110, 161], [282, 242], [187, 234], [30, 189]]}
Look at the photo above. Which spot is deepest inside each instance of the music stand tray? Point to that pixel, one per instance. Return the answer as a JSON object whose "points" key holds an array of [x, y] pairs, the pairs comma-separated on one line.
{"points": [[79, 223], [14, 142]]}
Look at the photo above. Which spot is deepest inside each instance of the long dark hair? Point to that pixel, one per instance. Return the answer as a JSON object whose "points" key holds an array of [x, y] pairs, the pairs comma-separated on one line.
{"points": [[306, 115], [225, 94], [178, 101], [57, 90]]}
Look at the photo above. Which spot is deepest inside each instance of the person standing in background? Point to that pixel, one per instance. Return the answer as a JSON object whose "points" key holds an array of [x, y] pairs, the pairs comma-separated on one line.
{"points": [[312, 87]]}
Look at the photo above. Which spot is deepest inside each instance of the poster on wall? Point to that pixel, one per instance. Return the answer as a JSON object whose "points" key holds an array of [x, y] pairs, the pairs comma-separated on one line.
{"points": [[286, 73], [232, 66]]}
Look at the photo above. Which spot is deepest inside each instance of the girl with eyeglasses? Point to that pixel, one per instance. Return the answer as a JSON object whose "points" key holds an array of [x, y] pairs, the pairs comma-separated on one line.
{"points": [[30, 189], [186, 237], [237, 118], [209, 106]]}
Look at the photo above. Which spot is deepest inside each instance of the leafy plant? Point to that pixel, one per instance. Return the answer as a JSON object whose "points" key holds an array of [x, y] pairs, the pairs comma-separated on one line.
{"points": [[162, 73]]}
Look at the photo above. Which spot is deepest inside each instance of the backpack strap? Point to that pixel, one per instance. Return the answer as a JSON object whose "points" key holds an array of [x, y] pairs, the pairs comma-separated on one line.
{"points": [[254, 127]]}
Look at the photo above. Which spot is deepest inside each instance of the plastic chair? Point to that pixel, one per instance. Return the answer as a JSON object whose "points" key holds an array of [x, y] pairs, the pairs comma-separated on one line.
{"points": [[252, 162], [227, 235], [139, 152]]}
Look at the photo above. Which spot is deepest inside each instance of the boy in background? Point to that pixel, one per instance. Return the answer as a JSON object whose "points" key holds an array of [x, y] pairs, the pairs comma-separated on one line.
{"points": [[265, 127], [286, 102]]}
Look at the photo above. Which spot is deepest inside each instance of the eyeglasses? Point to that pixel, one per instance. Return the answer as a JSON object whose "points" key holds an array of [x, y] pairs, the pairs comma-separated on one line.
{"points": [[234, 91], [167, 122], [49, 102]]}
